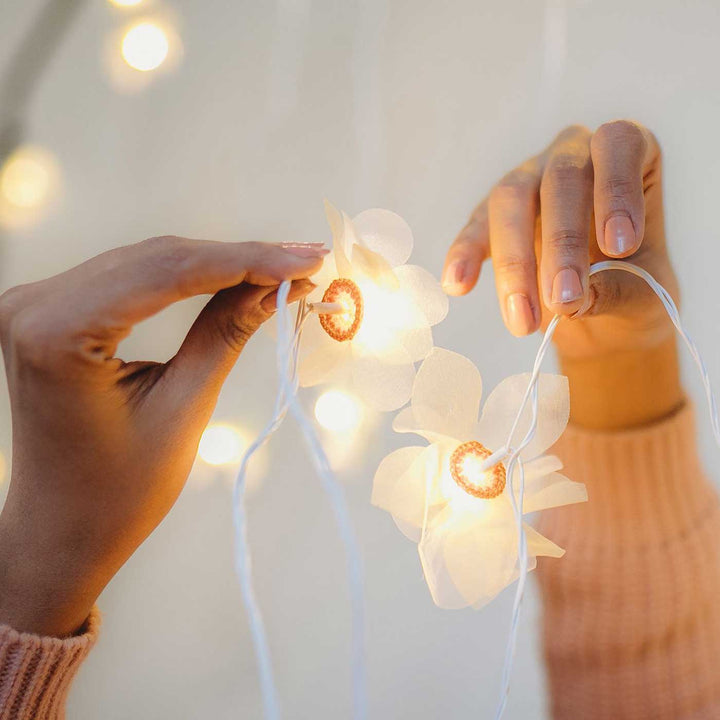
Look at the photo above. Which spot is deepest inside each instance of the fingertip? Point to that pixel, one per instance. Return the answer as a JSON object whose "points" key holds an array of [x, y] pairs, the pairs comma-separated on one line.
{"points": [[520, 318], [619, 237], [459, 276]]}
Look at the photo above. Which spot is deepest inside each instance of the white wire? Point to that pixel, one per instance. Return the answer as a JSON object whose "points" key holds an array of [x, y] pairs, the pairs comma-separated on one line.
{"points": [[287, 355], [513, 453]]}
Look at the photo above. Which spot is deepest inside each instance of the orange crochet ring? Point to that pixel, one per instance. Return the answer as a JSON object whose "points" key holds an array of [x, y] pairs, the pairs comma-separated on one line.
{"points": [[485, 485], [345, 325]]}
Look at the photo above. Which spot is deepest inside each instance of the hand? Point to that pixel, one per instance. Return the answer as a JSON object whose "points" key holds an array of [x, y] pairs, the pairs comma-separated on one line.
{"points": [[587, 197], [101, 447]]}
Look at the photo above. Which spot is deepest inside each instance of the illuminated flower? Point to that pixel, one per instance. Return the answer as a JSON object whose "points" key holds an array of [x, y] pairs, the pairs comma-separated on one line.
{"points": [[387, 310], [439, 494]]}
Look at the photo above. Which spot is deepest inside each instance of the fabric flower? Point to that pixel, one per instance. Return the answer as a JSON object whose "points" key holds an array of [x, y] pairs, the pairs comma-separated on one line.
{"points": [[389, 308], [439, 496]]}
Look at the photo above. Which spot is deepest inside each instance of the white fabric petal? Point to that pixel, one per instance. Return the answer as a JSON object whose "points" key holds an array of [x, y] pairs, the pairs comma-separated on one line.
{"points": [[467, 558], [324, 363], [539, 545], [406, 422], [383, 380], [424, 292], [541, 465], [339, 230], [553, 490], [502, 406], [404, 480], [386, 233], [373, 267], [417, 341], [446, 394]]}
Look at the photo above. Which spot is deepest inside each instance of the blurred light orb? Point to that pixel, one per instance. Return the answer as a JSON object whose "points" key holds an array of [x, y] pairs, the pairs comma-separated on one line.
{"points": [[26, 178], [145, 46], [338, 412], [125, 3], [221, 444]]}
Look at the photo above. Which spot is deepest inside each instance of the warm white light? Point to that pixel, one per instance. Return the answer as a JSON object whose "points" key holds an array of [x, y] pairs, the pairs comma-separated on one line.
{"points": [[145, 46], [338, 412], [125, 3], [26, 179], [221, 444]]}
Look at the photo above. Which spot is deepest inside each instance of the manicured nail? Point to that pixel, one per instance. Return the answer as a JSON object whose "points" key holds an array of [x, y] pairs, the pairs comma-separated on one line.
{"points": [[306, 251], [566, 287], [619, 235], [454, 275], [519, 314]]}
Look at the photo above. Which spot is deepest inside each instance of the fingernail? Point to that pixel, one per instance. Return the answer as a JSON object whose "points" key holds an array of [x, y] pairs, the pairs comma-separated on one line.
{"points": [[519, 314], [454, 275], [619, 235], [306, 251], [566, 287]]}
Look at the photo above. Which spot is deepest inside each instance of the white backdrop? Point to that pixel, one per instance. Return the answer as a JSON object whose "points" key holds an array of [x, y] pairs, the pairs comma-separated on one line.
{"points": [[415, 106]]}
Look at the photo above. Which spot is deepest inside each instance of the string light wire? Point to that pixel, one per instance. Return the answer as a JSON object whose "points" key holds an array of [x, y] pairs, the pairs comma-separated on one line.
{"points": [[286, 400], [512, 453]]}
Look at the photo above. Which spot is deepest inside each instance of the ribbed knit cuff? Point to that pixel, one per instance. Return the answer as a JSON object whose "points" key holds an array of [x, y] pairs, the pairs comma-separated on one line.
{"points": [[36, 672], [631, 616], [644, 485]]}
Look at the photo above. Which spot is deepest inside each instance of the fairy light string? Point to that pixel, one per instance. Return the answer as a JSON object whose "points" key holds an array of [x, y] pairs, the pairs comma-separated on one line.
{"points": [[287, 401], [512, 453]]}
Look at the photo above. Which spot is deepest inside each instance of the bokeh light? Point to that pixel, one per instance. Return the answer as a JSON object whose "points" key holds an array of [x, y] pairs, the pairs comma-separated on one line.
{"points": [[221, 444], [338, 412], [145, 46], [126, 3]]}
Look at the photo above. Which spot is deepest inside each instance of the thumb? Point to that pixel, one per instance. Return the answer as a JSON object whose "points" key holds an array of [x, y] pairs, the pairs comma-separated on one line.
{"points": [[219, 334]]}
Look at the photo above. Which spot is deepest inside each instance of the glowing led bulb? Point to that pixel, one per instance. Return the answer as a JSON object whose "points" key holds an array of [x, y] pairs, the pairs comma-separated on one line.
{"points": [[26, 178], [145, 46], [339, 412], [466, 467], [221, 444], [343, 326]]}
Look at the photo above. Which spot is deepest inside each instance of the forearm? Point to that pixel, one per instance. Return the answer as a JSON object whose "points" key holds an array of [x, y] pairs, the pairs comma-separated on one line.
{"points": [[631, 620]]}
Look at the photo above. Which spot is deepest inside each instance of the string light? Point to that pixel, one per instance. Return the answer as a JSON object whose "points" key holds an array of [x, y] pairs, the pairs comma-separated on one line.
{"points": [[26, 178], [338, 412], [221, 444], [468, 471], [145, 46]]}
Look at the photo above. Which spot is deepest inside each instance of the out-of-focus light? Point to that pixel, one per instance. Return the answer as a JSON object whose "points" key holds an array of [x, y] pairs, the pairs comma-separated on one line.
{"points": [[125, 3], [338, 412], [221, 444], [26, 178], [145, 46]]}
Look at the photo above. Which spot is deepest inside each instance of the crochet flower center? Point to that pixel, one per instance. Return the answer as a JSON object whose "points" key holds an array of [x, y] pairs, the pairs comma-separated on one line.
{"points": [[343, 326], [466, 469]]}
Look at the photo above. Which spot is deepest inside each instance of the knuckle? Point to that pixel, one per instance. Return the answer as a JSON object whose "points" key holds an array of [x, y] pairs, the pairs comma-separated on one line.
{"points": [[236, 330], [574, 132], [508, 192], [565, 170], [518, 265], [566, 241], [31, 339], [619, 187]]}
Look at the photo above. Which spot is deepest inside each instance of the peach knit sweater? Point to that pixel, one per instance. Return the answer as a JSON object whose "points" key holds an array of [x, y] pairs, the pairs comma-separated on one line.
{"points": [[631, 613]]}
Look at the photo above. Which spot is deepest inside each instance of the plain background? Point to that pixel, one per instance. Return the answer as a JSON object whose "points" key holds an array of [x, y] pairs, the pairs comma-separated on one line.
{"points": [[417, 106]]}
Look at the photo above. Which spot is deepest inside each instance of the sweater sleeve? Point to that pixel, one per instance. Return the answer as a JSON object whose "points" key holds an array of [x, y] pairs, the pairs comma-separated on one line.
{"points": [[631, 620], [36, 672]]}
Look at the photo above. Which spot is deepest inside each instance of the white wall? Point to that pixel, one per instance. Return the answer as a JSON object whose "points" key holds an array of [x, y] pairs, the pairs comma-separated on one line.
{"points": [[415, 106]]}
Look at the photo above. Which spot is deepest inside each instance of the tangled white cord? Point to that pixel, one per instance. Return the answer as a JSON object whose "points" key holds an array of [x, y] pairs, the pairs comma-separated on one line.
{"points": [[512, 453], [287, 354]]}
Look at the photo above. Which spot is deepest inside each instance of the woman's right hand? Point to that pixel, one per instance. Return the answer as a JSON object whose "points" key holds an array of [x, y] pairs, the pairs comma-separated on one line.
{"points": [[103, 447]]}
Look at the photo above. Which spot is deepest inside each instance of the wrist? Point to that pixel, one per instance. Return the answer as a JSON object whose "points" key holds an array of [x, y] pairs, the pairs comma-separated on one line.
{"points": [[624, 389]]}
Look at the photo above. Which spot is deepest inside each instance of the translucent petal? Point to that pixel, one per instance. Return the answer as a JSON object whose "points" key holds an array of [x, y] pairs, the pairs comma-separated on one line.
{"points": [[502, 406], [383, 380], [406, 422], [403, 481], [423, 291], [384, 232], [553, 490], [411, 532], [374, 267], [417, 341], [323, 363], [446, 394], [539, 545], [468, 559], [541, 465], [338, 228]]}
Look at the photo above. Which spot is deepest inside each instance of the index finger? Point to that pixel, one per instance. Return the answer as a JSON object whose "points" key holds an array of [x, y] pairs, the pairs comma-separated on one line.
{"points": [[107, 295]]}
